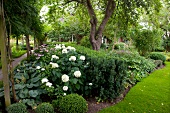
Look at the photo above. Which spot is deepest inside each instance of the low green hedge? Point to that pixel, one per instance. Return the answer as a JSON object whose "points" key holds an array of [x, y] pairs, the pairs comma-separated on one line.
{"points": [[157, 56]]}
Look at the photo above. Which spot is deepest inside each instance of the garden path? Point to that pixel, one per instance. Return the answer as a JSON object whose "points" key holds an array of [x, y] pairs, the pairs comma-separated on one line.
{"points": [[14, 63]]}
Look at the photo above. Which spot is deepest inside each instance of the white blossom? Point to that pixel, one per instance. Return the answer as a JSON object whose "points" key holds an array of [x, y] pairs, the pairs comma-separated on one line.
{"points": [[63, 47], [54, 57], [42, 69], [64, 51], [77, 74], [72, 58], [48, 84], [65, 88], [71, 48], [38, 67], [54, 65], [90, 84], [58, 47], [65, 78], [44, 80], [65, 94], [82, 57]]}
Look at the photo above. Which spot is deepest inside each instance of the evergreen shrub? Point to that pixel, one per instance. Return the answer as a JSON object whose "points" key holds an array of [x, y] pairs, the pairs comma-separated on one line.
{"points": [[157, 56], [17, 108], [45, 108], [73, 103]]}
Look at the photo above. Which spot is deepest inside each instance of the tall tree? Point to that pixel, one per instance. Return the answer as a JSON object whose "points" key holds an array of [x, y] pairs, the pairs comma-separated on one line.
{"points": [[128, 9], [4, 56]]}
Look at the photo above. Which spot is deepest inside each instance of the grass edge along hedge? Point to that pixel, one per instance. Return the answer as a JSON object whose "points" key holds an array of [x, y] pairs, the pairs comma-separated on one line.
{"points": [[150, 95]]}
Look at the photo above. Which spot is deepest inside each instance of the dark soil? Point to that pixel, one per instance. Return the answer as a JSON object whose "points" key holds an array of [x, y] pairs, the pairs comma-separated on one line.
{"points": [[93, 106]]}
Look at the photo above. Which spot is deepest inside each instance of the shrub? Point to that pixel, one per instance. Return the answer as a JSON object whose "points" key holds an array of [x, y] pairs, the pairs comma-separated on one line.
{"points": [[158, 63], [45, 108], [147, 40], [73, 103], [157, 56], [120, 46], [17, 108], [85, 42]]}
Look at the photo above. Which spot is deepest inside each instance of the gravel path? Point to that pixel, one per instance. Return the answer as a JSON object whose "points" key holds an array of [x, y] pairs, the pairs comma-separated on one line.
{"points": [[14, 63]]}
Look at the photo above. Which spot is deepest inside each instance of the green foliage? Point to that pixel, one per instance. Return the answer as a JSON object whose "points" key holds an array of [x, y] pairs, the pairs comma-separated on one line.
{"points": [[158, 63], [85, 42], [17, 53], [73, 103], [44, 108], [138, 66], [140, 98], [105, 72], [17, 108], [147, 40], [157, 56], [120, 46]]}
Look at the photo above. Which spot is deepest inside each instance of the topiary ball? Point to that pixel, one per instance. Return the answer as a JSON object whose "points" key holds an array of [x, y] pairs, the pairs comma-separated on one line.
{"points": [[17, 108], [44, 108], [73, 103]]}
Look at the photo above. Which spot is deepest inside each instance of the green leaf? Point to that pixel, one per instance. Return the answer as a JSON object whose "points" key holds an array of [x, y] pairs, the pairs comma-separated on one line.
{"points": [[19, 86], [33, 93], [75, 81], [78, 86], [33, 80], [29, 85]]}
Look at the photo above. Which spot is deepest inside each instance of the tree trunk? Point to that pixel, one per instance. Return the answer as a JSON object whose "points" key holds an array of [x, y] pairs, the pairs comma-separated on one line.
{"points": [[96, 34], [4, 56], [17, 44], [28, 46]]}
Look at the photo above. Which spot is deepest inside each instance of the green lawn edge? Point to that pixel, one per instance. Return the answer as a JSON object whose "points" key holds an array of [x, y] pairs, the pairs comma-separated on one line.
{"points": [[151, 95]]}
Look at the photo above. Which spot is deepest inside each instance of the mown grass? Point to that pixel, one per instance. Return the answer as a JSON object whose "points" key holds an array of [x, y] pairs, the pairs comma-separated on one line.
{"points": [[151, 95]]}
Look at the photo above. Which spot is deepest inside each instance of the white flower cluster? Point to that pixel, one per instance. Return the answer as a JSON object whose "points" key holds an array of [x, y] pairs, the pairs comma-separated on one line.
{"points": [[65, 88], [54, 65], [82, 58], [71, 48], [58, 46], [65, 78], [77, 74], [45, 80], [38, 67], [72, 58], [64, 51], [54, 57]]}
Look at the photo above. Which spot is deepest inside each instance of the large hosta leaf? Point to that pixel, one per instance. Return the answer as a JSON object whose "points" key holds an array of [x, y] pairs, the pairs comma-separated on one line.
{"points": [[33, 93], [19, 86], [23, 93], [33, 80]]}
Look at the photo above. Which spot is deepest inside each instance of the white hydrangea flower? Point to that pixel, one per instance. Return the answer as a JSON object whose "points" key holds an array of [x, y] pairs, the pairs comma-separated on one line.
{"points": [[90, 84], [54, 65], [72, 58], [58, 47], [65, 78], [65, 94], [44, 80], [77, 74], [38, 67], [42, 69], [82, 57], [65, 88], [71, 48], [63, 47], [64, 51], [48, 84], [54, 56]]}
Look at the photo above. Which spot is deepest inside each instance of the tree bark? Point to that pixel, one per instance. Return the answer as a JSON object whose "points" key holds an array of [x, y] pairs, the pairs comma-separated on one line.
{"points": [[4, 56], [28, 46], [96, 34]]}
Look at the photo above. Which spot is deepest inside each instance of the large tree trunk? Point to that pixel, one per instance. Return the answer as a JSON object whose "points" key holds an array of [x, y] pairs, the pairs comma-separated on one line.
{"points": [[96, 34], [4, 56]]}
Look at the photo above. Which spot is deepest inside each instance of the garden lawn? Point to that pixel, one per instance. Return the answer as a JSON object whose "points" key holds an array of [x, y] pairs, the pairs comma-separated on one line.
{"points": [[151, 95]]}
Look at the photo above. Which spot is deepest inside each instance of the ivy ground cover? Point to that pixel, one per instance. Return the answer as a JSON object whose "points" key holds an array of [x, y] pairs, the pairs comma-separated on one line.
{"points": [[151, 95]]}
